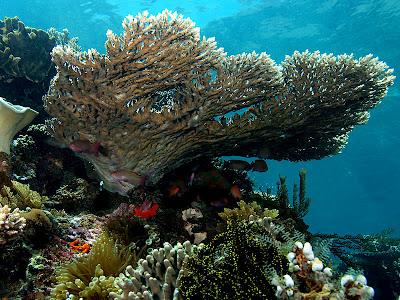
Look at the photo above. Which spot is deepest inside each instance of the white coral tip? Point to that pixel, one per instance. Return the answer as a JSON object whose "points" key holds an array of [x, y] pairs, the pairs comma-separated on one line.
{"points": [[369, 291], [317, 265], [346, 279], [288, 281], [328, 271], [291, 256], [299, 245], [361, 279]]}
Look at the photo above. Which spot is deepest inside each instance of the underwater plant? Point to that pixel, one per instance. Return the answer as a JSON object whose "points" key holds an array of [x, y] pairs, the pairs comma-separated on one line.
{"points": [[163, 91]]}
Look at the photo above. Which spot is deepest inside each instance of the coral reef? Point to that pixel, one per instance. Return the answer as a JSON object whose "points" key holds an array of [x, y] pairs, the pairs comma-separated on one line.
{"points": [[165, 92], [11, 224]]}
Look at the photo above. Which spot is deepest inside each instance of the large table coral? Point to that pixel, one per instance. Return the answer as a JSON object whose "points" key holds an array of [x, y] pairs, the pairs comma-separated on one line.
{"points": [[161, 97]]}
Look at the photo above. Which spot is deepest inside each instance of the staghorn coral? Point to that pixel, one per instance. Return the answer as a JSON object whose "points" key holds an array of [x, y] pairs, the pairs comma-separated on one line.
{"points": [[158, 276], [158, 100], [11, 224], [92, 276], [21, 196]]}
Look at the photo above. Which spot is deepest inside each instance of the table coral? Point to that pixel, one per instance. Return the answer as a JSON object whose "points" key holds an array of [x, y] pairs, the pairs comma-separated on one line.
{"points": [[159, 97]]}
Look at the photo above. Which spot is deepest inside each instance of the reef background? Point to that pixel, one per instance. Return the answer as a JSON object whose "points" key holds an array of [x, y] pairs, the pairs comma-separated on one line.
{"points": [[359, 188]]}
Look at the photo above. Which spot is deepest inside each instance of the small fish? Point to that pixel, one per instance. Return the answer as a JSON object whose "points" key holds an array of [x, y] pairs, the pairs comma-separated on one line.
{"points": [[235, 192], [259, 165], [173, 190], [85, 146], [240, 165], [129, 177]]}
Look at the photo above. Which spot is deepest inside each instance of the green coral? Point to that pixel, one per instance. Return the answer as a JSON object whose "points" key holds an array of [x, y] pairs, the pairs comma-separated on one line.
{"points": [[245, 210], [92, 276], [21, 196], [24, 51]]}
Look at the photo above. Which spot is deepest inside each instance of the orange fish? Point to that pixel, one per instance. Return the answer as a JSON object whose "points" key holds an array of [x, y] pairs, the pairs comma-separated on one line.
{"points": [[173, 190], [235, 191]]}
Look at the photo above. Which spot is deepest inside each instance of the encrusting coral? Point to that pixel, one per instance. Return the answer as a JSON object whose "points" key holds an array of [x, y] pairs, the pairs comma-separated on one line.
{"points": [[11, 224], [159, 97]]}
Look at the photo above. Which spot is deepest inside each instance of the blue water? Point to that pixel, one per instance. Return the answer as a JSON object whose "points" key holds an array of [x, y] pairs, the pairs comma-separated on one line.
{"points": [[354, 192]]}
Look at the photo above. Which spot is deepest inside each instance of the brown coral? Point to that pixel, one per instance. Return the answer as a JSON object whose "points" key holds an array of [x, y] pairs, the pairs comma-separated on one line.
{"points": [[159, 97]]}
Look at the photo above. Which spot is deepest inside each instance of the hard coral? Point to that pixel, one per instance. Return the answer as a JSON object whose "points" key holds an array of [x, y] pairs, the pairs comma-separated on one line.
{"points": [[157, 100], [11, 224]]}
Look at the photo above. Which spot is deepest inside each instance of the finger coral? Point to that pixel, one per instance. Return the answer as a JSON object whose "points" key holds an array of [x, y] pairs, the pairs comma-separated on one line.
{"points": [[159, 97], [157, 276], [11, 224]]}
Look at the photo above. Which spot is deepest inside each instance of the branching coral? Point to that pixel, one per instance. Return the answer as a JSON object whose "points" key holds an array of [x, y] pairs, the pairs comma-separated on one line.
{"points": [[245, 210], [21, 196], [157, 99], [11, 224], [24, 51]]}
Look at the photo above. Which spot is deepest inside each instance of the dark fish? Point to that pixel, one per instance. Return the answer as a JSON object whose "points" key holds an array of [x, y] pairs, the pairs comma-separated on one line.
{"points": [[237, 164], [259, 165]]}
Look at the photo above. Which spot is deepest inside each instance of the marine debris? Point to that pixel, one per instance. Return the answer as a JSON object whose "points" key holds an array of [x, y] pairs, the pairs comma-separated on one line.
{"points": [[158, 100]]}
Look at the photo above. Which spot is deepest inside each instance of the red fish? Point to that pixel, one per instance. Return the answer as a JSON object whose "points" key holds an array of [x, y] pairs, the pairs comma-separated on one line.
{"points": [[147, 210], [85, 146]]}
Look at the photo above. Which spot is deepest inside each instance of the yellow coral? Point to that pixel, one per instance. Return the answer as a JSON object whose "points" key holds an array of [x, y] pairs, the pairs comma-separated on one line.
{"points": [[245, 210], [21, 196]]}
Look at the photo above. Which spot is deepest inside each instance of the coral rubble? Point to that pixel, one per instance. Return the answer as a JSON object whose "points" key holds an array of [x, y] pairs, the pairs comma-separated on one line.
{"points": [[159, 97]]}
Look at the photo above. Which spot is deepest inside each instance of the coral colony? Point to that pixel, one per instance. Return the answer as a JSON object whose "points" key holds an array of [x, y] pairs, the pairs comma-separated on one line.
{"points": [[118, 191]]}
